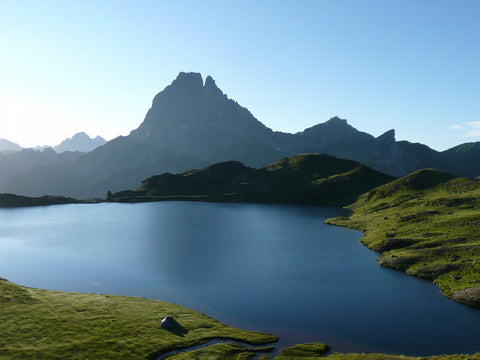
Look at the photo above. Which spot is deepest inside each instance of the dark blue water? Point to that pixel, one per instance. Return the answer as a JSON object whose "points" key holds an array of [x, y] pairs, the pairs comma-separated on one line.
{"points": [[270, 268]]}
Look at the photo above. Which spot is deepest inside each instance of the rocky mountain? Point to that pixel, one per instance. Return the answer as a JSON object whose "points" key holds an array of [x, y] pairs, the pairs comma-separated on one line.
{"points": [[80, 142], [192, 124], [191, 118]]}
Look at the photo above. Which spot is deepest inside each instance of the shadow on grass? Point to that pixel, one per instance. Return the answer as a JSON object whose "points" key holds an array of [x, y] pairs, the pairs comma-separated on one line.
{"points": [[177, 329]]}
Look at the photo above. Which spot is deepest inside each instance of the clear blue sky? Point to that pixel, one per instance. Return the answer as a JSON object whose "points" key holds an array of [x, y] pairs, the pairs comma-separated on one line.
{"points": [[94, 66]]}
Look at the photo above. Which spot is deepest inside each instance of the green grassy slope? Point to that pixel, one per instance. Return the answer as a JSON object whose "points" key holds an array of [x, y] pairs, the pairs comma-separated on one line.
{"points": [[428, 225], [306, 178], [40, 324]]}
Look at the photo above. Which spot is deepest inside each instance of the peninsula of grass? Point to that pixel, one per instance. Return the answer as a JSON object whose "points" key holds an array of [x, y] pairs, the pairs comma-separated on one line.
{"points": [[354, 356], [428, 225], [319, 351], [41, 324]]}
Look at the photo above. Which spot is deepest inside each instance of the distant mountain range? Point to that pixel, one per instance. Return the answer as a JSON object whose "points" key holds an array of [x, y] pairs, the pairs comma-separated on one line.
{"points": [[78, 142], [192, 124]]}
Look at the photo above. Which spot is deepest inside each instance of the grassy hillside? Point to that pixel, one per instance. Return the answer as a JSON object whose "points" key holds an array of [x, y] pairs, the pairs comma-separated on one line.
{"points": [[40, 324], [306, 178], [428, 225]]}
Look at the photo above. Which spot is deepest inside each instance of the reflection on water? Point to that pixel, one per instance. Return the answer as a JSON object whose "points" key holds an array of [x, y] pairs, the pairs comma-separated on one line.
{"points": [[270, 268]]}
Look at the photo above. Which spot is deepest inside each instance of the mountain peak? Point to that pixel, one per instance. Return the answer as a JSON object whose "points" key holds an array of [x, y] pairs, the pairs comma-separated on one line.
{"points": [[193, 80], [212, 88], [388, 136], [197, 118], [188, 85], [209, 81], [80, 135], [190, 81], [79, 142], [336, 120], [335, 124]]}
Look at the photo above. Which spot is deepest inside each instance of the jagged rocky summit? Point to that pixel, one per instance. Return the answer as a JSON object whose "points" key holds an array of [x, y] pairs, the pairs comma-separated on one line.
{"points": [[195, 119]]}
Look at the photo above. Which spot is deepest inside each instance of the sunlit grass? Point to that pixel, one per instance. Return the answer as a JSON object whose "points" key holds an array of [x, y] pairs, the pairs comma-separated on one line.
{"points": [[40, 324], [428, 225]]}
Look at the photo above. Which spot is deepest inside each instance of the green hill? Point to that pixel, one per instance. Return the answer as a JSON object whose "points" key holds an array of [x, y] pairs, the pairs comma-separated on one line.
{"points": [[428, 225], [306, 178], [12, 200]]}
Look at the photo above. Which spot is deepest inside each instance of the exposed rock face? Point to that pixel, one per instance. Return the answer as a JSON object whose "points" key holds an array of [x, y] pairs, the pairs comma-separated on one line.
{"points": [[469, 296], [192, 118], [386, 154]]}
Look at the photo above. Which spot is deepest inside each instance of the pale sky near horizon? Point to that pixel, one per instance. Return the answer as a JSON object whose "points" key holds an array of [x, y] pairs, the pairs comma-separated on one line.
{"points": [[95, 66]]}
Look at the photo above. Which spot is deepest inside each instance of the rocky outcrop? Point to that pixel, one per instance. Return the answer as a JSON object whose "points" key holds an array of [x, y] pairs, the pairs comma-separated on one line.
{"points": [[469, 296]]}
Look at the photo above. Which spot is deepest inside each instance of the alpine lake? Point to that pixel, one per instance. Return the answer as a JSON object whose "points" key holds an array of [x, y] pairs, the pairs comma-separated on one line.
{"points": [[269, 268]]}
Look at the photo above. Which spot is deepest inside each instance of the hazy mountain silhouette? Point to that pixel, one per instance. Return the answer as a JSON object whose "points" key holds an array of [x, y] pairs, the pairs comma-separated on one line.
{"points": [[80, 142], [190, 118], [192, 124], [7, 146]]}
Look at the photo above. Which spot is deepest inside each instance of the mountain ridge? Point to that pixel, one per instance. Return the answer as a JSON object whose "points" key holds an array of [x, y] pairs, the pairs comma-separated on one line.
{"points": [[80, 142], [192, 124]]}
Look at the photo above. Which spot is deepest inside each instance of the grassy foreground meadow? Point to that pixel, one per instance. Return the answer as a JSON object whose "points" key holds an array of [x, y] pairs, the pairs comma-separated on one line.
{"points": [[428, 225], [41, 324]]}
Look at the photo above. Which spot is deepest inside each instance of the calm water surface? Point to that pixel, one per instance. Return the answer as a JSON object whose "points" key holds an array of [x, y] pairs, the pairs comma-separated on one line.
{"points": [[270, 268]]}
